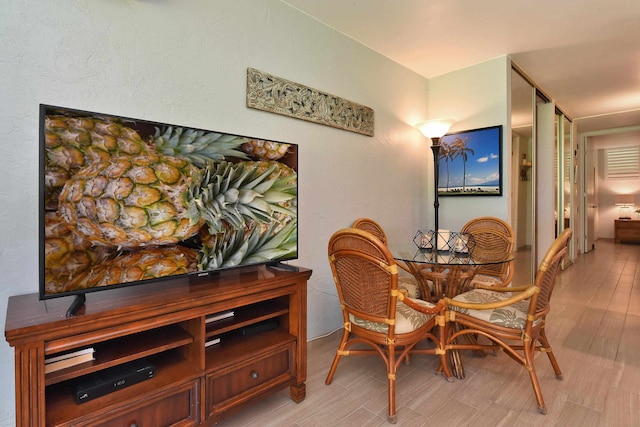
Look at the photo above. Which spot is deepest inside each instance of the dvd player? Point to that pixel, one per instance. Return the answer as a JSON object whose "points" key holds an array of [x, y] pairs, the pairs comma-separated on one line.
{"points": [[109, 380]]}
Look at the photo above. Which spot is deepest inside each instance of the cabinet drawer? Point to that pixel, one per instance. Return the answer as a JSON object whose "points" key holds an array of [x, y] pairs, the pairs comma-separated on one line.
{"points": [[234, 385], [175, 408], [629, 234], [629, 224], [627, 231]]}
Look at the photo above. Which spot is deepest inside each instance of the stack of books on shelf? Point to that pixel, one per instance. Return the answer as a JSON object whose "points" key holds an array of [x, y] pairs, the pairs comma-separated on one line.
{"points": [[220, 316], [212, 341], [216, 317], [66, 360]]}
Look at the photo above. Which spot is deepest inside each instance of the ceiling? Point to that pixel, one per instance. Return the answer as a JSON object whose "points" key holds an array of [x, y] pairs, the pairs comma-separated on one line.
{"points": [[584, 54]]}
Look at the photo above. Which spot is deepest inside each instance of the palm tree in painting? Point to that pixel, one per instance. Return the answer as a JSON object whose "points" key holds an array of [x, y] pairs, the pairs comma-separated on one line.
{"points": [[449, 154], [462, 150]]}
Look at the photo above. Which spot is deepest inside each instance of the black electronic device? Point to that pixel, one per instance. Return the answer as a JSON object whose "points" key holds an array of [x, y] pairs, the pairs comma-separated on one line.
{"points": [[109, 380], [257, 328]]}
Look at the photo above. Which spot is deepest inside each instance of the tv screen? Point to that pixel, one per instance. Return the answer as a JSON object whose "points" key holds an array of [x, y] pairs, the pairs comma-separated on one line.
{"points": [[126, 201]]}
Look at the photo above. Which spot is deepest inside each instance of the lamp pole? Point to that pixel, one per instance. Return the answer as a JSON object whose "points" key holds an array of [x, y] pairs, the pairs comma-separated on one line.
{"points": [[435, 147], [435, 129]]}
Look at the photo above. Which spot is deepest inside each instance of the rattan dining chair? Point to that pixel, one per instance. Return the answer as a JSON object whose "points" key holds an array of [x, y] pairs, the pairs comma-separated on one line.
{"points": [[406, 282], [367, 224], [375, 312], [511, 318], [493, 238]]}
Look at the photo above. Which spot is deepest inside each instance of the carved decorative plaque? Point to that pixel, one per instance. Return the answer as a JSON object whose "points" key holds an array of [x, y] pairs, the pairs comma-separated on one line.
{"points": [[271, 93]]}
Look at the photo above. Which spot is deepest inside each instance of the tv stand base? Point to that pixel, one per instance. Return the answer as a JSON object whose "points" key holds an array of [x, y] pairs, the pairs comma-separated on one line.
{"points": [[78, 302], [283, 266]]}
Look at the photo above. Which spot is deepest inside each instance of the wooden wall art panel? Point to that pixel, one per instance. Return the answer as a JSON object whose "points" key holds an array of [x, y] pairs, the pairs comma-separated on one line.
{"points": [[274, 94]]}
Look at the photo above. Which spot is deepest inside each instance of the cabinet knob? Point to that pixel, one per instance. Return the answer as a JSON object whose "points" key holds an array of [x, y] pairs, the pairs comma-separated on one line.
{"points": [[254, 375], [133, 425]]}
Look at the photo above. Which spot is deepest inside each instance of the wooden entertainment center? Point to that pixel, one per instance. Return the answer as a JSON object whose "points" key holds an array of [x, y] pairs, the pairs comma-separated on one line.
{"points": [[262, 348]]}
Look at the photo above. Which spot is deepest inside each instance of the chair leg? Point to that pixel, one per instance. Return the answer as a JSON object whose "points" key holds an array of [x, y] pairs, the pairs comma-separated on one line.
{"points": [[533, 376], [445, 368], [391, 380], [336, 358], [552, 358], [392, 399]]}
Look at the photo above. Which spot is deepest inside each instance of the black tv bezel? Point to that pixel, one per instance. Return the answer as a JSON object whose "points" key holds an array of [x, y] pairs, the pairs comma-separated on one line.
{"points": [[80, 293]]}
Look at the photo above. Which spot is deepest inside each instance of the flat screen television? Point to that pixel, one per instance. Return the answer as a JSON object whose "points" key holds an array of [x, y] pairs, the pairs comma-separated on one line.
{"points": [[127, 202]]}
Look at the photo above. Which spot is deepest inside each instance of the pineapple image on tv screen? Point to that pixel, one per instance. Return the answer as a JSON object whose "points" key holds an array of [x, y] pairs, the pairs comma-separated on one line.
{"points": [[127, 200]]}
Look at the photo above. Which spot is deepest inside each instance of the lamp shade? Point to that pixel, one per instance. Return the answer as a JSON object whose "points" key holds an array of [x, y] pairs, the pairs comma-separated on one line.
{"points": [[624, 200], [435, 128]]}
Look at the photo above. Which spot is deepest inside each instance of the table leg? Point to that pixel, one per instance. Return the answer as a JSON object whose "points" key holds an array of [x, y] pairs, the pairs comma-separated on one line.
{"points": [[416, 270], [457, 280]]}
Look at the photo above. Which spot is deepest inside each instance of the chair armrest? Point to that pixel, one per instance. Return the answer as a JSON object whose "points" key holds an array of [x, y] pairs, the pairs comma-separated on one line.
{"points": [[528, 293], [501, 288], [510, 273], [439, 307]]}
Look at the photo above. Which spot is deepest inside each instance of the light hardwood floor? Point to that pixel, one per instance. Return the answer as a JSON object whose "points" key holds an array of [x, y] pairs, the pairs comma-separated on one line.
{"points": [[594, 329]]}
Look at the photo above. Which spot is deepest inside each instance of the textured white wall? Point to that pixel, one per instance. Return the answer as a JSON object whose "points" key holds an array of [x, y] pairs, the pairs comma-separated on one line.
{"points": [[186, 64], [167, 61], [475, 97]]}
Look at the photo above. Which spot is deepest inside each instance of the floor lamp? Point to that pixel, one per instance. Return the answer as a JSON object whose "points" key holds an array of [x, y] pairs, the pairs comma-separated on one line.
{"points": [[434, 130]]}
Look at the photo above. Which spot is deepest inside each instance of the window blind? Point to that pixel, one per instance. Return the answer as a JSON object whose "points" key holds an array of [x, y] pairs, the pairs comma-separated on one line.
{"points": [[622, 162]]}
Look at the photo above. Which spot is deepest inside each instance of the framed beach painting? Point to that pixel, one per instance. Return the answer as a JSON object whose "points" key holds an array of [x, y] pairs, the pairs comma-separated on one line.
{"points": [[471, 162]]}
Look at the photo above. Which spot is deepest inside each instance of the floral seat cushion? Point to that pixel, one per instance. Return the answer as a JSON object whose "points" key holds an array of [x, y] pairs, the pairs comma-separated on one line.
{"points": [[512, 316], [409, 284], [407, 319], [487, 280]]}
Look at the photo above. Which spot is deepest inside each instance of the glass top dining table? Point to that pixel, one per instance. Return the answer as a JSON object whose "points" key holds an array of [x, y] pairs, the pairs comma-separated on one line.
{"points": [[441, 274]]}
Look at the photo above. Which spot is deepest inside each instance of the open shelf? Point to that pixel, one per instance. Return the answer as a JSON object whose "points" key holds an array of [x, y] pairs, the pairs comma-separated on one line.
{"points": [[125, 349], [171, 368], [246, 316], [235, 347]]}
